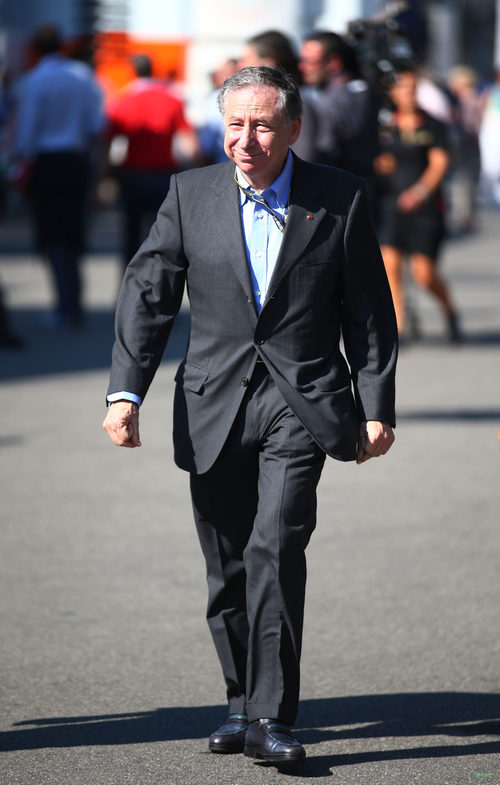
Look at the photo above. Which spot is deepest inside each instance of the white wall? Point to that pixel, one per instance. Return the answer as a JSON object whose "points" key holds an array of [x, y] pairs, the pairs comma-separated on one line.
{"points": [[153, 19]]}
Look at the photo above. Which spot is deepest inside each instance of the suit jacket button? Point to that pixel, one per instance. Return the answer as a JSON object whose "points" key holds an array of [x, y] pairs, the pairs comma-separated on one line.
{"points": [[261, 341], [244, 381]]}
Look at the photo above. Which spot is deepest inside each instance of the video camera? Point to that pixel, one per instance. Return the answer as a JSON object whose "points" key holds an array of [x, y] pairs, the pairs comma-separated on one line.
{"points": [[380, 42]]}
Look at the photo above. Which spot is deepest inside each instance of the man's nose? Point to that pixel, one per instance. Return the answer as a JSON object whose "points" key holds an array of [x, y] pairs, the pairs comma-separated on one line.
{"points": [[246, 136]]}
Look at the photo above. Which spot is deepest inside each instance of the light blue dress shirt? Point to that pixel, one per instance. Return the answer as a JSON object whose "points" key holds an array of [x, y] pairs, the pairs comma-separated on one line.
{"points": [[262, 240], [60, 108], [262, 236]]}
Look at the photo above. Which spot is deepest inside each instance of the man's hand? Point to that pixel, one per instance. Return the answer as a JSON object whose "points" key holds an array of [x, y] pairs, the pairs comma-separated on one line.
{"points": [[375, 439], [122, 424]]}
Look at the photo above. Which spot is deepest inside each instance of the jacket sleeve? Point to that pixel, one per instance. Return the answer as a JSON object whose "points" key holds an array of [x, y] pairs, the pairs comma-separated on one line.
{"points": [[368, 320], [150, 298]]}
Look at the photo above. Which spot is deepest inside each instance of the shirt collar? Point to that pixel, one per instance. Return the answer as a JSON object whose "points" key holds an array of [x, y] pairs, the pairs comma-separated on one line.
{"points": [[280, 187], [51, 58]]}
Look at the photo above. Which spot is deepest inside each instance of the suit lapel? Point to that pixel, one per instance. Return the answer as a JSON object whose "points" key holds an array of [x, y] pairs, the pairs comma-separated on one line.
{"points": [[226, 209], [305, 214], [304, 217]]}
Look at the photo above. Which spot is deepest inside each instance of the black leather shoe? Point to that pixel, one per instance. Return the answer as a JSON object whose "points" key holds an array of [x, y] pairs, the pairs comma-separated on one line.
{"points": [[230, 737], [273, 741]]}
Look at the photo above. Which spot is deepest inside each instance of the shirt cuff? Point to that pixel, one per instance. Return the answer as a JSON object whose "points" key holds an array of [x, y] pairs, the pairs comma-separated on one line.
{"points": [[123, 396]]}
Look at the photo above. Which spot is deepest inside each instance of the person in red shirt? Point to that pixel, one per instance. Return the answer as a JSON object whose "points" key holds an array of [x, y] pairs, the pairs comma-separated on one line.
{"points": [[145, 121]]}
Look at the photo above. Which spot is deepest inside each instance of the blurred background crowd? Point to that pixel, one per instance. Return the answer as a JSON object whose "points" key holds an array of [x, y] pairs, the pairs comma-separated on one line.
{"points": [[100, 105]]}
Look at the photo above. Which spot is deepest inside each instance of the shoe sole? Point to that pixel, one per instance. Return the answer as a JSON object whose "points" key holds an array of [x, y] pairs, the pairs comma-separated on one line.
{"points": [[225, 749], [253, 752]]}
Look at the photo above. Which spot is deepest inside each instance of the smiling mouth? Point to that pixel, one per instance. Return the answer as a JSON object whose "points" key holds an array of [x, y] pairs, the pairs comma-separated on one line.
{"points": [[247, 156]]}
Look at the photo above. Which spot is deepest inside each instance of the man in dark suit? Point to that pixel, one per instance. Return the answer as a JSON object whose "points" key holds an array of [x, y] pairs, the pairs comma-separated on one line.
{"points": [[346, 106], [280, 259]]}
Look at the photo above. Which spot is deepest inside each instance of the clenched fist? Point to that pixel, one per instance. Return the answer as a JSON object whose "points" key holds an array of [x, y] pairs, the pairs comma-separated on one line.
{"points": [[122, 424]]}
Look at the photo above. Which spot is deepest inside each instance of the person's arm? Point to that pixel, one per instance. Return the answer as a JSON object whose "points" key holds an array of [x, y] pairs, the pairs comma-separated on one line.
{"points": [[186, 147], [369, 331], [22, 148], [150, 298], [26, 121], [413, 197]]}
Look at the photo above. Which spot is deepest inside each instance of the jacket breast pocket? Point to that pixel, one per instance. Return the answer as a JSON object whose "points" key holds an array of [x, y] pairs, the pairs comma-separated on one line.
{"points": [[316, 265], [318, 269], [191, 377], [316, 280]]}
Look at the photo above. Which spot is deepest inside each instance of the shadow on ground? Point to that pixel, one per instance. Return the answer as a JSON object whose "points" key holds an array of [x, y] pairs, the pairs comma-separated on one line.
{"points": [[450, 415], [476, 338], [73, 350], [458, 716]]}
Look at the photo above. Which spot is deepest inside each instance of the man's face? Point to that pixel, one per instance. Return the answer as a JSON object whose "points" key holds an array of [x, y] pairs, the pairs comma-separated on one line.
{"points": [[258, 134], [404, 92], [312, 63]]}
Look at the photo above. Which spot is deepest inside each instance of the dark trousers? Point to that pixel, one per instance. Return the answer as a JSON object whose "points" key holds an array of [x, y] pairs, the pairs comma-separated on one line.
{"points": [[59, 191], [255, 511], [142, 194]]}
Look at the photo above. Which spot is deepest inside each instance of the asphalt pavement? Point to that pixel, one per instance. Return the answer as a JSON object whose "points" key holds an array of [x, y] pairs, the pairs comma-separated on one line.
{"points": [[108, 675]]}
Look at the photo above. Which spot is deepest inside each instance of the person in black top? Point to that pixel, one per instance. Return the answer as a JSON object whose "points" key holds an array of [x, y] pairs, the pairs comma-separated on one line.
{"points": [[410, 169]]}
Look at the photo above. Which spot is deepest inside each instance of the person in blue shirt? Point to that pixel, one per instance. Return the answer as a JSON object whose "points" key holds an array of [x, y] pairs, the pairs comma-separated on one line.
{"points": [[59, 117]]}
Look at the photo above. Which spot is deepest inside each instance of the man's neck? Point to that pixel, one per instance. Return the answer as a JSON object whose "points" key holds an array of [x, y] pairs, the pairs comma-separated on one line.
{"points": [[256, 183]]}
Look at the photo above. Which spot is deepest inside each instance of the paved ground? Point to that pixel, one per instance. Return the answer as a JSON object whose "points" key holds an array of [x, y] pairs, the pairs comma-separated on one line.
{"points": [[108, 676]]}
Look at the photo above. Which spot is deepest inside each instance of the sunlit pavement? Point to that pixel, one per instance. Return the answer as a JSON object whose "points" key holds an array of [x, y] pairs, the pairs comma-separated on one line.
{"points": [[108, 673]]}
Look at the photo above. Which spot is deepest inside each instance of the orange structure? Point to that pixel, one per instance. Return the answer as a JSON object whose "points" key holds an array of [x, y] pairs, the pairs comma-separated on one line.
{"points": [[113, 53]]}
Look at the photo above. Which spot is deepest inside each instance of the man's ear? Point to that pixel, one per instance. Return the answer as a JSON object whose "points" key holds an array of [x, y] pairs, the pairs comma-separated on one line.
{"points": [[294, 132]]}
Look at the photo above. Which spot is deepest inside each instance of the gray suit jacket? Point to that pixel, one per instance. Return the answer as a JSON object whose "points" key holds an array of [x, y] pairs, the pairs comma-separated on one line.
{"points": [[329, 282]]}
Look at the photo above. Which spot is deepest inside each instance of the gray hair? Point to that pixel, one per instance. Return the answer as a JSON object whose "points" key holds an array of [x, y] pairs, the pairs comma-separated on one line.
{"points": [[289, 100]]}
